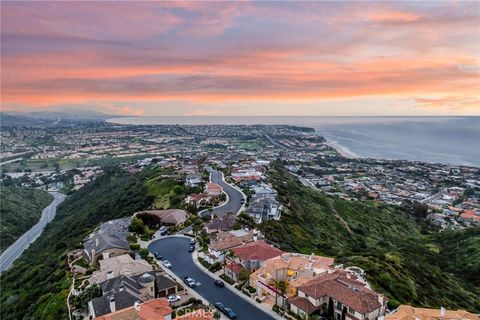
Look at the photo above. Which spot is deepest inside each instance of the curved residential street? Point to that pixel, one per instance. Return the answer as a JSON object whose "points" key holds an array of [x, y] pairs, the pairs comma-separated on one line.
{"points": [[175, 249], [234, 201], [15, 250]]}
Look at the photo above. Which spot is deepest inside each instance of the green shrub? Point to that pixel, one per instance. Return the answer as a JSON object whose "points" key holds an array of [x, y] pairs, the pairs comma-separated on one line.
{"points": [[143, 253], [135, 246], [227, 279], [393, 304], [215, 267]]}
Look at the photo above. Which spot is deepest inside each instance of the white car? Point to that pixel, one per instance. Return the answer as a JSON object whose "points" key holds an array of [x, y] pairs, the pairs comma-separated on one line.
{"points": [[173, 298], [167, 264]]}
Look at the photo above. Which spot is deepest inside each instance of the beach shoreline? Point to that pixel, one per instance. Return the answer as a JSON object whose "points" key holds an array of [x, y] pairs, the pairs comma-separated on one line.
{"points": [[343, 151]]}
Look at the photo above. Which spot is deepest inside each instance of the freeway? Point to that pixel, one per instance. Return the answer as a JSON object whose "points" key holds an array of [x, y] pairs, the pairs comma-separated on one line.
{"points": [[234, 200], [14, 251], [175, 250]]}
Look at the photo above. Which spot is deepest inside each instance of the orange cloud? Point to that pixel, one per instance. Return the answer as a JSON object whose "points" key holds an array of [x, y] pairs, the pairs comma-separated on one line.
{"points": [[393, 16], [232, 52], [450, 102]]}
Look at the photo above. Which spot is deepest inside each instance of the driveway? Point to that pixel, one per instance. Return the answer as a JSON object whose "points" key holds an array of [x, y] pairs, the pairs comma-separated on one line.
{"points": [[175, 249], [234, 204]]}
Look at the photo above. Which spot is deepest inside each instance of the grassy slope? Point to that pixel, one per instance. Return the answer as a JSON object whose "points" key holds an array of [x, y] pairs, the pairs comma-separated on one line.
{"points": [[37, 285], [20, 209], [400, 259], [461, 252]]}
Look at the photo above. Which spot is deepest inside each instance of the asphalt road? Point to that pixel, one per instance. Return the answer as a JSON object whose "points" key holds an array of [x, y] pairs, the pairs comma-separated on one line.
{"points": [[175, 250], [234, 204], [16, 249]]}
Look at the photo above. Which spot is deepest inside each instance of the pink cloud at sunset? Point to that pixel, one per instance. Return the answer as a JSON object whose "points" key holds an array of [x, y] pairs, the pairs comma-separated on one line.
{"points": [[131, 55]]}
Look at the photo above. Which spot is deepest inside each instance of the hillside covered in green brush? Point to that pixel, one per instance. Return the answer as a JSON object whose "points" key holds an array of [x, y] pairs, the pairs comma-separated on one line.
{"points": [[37, 285], [20, 209]]}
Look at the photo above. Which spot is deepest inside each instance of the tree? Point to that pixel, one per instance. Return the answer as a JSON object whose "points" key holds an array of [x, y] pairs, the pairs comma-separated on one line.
{"points": [[420, 210], [282, 286], [330, 310], [244, 275], [344, 312], [143, 253], [197, 226], [137, 225], [91, 292]]}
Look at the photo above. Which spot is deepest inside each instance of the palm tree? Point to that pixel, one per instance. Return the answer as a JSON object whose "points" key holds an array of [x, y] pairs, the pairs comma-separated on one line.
{"points": [[282, 286]]}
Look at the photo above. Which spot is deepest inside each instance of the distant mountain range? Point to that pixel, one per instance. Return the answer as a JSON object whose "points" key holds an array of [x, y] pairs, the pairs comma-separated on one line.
{"points": [[52, 118]]}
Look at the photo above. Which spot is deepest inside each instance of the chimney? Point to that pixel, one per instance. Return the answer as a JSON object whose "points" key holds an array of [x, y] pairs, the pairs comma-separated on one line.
{"points": [[97, 242], [112, 304], [109, 274], [442, 312], [137, 306]]}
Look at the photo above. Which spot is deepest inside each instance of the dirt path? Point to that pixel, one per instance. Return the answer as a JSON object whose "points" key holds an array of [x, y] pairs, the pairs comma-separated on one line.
{"points": [[342, 221]]}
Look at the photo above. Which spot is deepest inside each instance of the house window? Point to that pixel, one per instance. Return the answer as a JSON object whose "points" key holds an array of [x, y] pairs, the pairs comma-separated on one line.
{"points": [[351, 311], [339, 305]]}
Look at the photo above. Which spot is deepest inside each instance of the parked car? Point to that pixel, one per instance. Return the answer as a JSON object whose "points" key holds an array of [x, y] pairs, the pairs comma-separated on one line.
{"points": [[173, 298], [193, 241], [163, 230], [226, 310], [189, 282], [191, 249], [219, 283], [229, 313], [158, 256], [220, 306], [242, 201], [167, 264]]}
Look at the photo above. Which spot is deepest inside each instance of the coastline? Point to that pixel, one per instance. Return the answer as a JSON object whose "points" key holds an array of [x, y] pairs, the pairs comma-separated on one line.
{"points": [[436, 139], [343, 151]]}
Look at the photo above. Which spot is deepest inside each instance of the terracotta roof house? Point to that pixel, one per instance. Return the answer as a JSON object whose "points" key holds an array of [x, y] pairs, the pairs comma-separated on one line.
{"points": [[156, 309], [223, 223], [225, 241], [405, 312], [232, 270], [470, 216], [252, 255], [293, 268], [349, 297], [171, 217], [213, 189], [118, 266]]}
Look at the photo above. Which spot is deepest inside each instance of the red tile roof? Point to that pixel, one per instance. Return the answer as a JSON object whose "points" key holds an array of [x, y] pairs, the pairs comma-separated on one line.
{"points": [[151, 310], [341, 287], [305, 305], [470, 214], [235, 267], [258, 250]]}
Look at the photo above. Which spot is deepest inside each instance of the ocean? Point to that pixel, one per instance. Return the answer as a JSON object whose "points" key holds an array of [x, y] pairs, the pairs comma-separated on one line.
{"points": [[447, 140]]}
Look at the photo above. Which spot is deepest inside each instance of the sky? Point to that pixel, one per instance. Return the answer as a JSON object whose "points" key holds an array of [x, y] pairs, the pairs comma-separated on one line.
{"points": [[242, 58]]}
